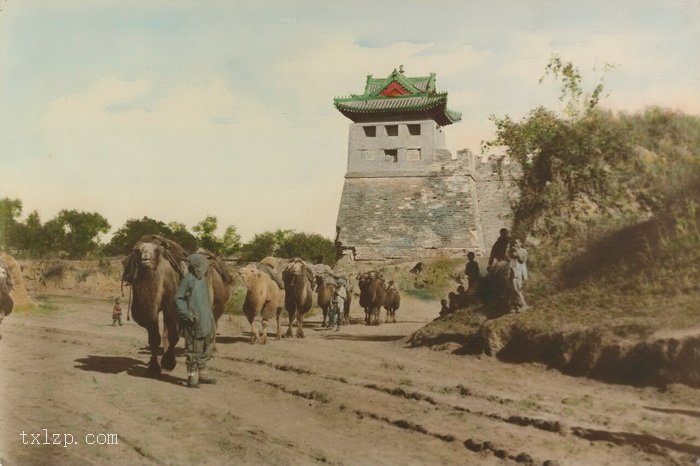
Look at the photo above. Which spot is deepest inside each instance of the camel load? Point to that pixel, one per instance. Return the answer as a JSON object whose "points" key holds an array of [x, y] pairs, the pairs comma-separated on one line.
{"points": [[153, 270]]}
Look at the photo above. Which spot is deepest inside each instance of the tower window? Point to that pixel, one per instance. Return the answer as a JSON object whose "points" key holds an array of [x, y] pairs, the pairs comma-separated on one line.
{"points": [[413, 155], [414, 130], [392, 130], [370, 131], [391, 155]]}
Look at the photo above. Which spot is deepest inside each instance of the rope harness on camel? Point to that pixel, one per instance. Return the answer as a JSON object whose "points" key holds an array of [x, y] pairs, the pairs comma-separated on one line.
{"points": [[131, 267]]}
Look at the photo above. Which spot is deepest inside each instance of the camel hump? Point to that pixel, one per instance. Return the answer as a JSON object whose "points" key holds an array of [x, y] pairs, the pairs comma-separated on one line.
{"points": [[270, 271], [217, 264]]}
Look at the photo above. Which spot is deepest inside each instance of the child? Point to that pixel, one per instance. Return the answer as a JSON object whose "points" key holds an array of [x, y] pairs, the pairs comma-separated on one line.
{"points": [[116, 313], [472, 272], [444, 310]]}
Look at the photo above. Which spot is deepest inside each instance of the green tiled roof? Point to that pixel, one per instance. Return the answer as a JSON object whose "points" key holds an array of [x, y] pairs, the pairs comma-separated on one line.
{"points": [[422, 100]]}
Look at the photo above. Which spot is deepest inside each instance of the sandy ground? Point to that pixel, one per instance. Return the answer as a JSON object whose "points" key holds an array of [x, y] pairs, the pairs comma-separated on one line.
{"points": [[358, 396]]}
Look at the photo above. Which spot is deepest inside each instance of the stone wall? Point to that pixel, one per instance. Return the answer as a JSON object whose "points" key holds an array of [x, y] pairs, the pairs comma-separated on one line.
{"points": [[496, 190], [408, 216], [450, 207]]}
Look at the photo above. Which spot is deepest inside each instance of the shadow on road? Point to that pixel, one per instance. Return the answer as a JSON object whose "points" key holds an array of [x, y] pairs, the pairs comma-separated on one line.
{"points": [[230, 340], [142, 372], [335, 336], [106, 364], [118, 364], [687, 412]]}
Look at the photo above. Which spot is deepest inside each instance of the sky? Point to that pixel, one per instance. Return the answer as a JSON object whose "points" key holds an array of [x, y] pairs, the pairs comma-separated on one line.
{"points": [[182, 109]]}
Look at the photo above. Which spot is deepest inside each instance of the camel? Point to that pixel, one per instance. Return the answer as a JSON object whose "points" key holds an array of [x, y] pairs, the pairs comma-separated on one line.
{"points": [[372, 294], [325, 287], [264, 297], [392, 301], [154, 270], [221, 283], [6, 302], [299, 286]]}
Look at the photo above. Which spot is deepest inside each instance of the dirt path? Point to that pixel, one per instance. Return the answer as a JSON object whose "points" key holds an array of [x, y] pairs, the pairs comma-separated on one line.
{"points": [[357, 396]]}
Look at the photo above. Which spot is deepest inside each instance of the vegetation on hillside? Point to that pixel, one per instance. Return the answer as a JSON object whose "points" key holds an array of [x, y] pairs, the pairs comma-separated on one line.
{"points": [[609, 208]]}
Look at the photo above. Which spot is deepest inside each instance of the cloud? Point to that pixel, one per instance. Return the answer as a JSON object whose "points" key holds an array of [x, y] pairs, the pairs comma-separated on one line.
{"points": [[338, 67], [628, 52]]}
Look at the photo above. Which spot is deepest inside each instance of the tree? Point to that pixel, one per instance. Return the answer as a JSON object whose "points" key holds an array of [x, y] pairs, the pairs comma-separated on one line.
{"points": [[263, 245], [31, 238], [10, 210], [180, 235], [231, 242], [81, 230], [288, 243], [309, 246], [566, 160], [206, 237], [124, 238], [205, 231]]}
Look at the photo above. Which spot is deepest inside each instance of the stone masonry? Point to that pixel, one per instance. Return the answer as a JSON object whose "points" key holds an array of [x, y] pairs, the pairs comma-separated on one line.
{"points": [[405, 195], [450, 210]]}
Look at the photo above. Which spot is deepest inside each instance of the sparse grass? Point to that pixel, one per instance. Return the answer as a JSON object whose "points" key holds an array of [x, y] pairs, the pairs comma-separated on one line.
{"points": [[235, 304]]}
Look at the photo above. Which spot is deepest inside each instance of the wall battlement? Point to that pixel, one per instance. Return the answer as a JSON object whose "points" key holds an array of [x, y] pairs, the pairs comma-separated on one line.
{"points": [[405, 195], [449, 207]]}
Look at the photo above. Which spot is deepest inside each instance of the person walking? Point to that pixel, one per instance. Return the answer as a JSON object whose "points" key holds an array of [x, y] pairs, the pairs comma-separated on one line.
{"points": [[196, 319], [116, 313], [340, 294]]}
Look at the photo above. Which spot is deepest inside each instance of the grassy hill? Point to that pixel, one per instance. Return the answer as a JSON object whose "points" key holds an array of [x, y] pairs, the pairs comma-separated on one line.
{"points": [[609, 210]]}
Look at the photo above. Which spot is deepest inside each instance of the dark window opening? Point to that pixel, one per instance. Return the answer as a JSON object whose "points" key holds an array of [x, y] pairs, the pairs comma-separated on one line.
{"points": [[391, 155], [392, 130], [414, 130], [370, 131]]}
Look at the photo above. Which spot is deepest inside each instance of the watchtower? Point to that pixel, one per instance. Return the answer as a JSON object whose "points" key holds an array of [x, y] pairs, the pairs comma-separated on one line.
{"points": [[404, 195]]}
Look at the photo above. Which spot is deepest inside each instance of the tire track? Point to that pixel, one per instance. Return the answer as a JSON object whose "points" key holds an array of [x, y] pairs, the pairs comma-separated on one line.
{"points": [[644, 443]]}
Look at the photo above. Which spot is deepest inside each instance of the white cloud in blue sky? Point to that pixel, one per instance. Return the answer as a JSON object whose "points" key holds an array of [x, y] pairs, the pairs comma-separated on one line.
{"points": [[122, 107]]}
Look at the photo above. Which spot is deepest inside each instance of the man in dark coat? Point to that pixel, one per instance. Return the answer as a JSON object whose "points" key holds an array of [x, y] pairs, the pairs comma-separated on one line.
{"points": [[500, 248], [196, 318]]}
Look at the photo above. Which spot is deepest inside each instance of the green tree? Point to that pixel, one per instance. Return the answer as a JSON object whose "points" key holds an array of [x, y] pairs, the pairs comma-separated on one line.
{"points": [[124, 238], [10, 210], [81, 230], [568, 162], [309, 246], [263, 245], [31, 239], [205, 231], [180, 235], [288, 243], [231, 242]]}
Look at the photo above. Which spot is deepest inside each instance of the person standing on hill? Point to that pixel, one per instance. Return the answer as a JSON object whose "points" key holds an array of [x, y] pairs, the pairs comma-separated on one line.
{"points": [[499, 249], [472, 272], [196, 318], [518, 273]]}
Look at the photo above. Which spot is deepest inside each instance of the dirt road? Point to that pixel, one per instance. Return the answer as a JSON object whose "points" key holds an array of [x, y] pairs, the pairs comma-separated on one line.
{"points": [[358, 396]]}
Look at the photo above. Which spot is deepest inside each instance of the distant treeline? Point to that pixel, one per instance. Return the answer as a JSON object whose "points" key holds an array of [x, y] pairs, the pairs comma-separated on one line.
{"points": [[74, 234]]}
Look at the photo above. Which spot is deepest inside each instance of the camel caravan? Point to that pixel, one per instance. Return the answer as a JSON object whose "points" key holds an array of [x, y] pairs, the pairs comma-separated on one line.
{"points": [[156, 266]]}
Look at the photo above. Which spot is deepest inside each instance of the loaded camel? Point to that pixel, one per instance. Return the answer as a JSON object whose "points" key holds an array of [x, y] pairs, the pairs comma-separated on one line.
{"points": [[154, 270], [298, 286], [264, 297]]}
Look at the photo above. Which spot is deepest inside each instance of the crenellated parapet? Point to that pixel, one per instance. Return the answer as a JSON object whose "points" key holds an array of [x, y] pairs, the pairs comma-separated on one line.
{"points": [[405, 194]]}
